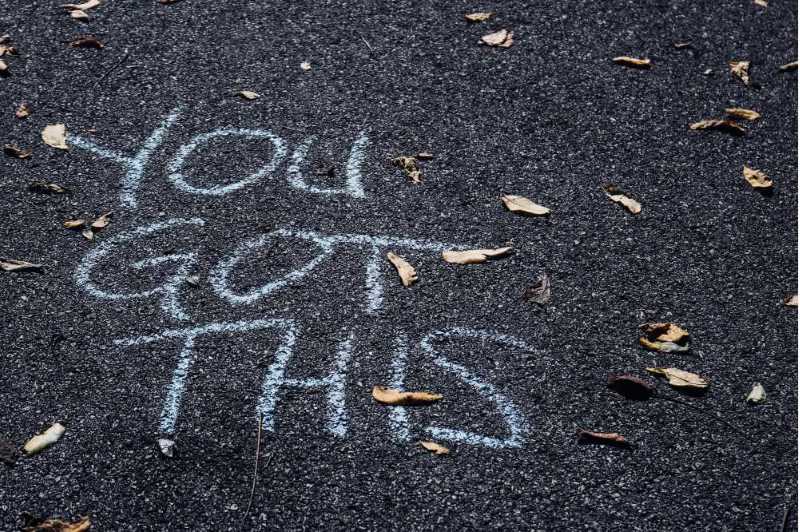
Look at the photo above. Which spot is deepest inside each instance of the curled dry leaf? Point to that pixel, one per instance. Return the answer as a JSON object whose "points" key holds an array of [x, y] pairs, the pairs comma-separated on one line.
{"points": [[79, 15], [631, 387], [790, 301], [756, 178], [522, 205], [680, 378], [480, 16], [75, 224], [615, 195], [410, 167], [167, 447], [249, 95], [55, 135], [87, 41], [44, 440], [12, 150], [14, 265], [788, 66], [740, 69], [407, 273], [728, 126], [757, 394], [540, 292], [89, 4], [632, 61], [664, 337], [22, 111], [102, 221], [502, 39], [434, 447], [47, 188], [747, 114], [57, 525], [305, 65], [612, 438], [390, 396], [473, 256]]}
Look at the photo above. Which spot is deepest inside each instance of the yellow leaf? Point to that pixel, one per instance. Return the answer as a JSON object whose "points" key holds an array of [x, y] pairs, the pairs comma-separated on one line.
{"points": [[249, 95], [756, 178], [747, 114], [44, 440], [522, 205], [479, 16], [728, 126], [616, 196], [55, 135], [665, 337], [632, 61], [502, 38], [680, 378], [434, 447], [473, 256], [390, 396], [407, 273], [740, 69]]}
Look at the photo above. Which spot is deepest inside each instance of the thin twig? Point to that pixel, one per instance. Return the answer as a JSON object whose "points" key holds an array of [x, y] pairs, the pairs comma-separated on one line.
{"points": [[114, 67], [255, 469], [365, 41]]}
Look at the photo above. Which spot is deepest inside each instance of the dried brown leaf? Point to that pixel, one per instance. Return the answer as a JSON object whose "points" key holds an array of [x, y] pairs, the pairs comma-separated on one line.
{"points": [[390, 396], [57, 525], [539, 293], [522, 205], [14, 265], [47, 188], [612, 438], [741, 70], [502, 39], [790, 301], [249, 95], [756, 178], [680, 378], [89, 4], [75, 224], [632, 61], [87, 233], [102, 221], [480, 16], [728, 126], [407, 273], [434, 447], [7, 50], [55, 135], [23, 111], [615, 195], [740, 112], [12, 150], [86, 41], [664, 337], [410, 167], [788, 66], [631, 387], [473, 256]]}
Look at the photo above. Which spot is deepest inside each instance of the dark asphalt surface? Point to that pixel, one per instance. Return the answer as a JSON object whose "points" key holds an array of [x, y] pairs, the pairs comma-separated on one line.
{"points": [[551, 118]]}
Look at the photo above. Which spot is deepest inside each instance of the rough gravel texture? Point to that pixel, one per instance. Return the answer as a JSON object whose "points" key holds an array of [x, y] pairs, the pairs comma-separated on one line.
{"points": [[551, 118]]}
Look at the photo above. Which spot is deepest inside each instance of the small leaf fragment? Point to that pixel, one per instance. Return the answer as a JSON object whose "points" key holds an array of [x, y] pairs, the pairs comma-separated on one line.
{"points": [[631, 387], [12, 150], [167, 447], [249, 95], [473, 256], [89, 4], [757, 394], [756, 178], [22, 111], [14, 265], [55, 135], [480, 16], [305, 66], [740, 69], [57, 525], [434, 447], [740, 112], [728, 126], [788, 66], [47, 188], [75, 224], [680, 378], [522, 205], [390, 396], [615, 195], [44, 440], [87, 233], [539, 293], [632, 61], [612, 438], [3, 66], [501, 39], [664, 337], [790, 301], [761, 3], [407, 273], [79, 15], [86, 41], [410, 167], [681, 45], [102, 221]]}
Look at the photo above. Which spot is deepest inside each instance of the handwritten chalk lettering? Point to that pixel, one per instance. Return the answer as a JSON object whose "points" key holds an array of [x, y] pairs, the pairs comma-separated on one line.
{"points": [[353, 186], [168, 292]]}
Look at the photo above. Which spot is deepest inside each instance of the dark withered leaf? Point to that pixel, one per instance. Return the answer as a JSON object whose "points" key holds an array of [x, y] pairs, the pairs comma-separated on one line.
{"points": [[47, 188], [607, 438], [87, 41], [631, 387]]}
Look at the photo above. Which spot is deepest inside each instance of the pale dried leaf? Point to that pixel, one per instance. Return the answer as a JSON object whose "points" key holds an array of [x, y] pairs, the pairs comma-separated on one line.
{"points": [[788, 66], [539, 293], [44, 440], [760, 3], [522, 205], [305, 65], [756, 178], [57, 525], [407, 273], [434, 447], [410, 167], [12, 150], [680, 378], [633, 62], [790, 301], [79, 15], [89, 4], [102, 221], [612, 438], [615, 195], [87, 41], [55, 135], [249, 95], [23, 111], [502, 39], [664, 337], [757, 394], [473, 256], [740, 112], [728, 126], [480, 16], [390, 396], [3, 66], [14, 265], [740, 69], [87, 233], [167, 447], [75, 224]]}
